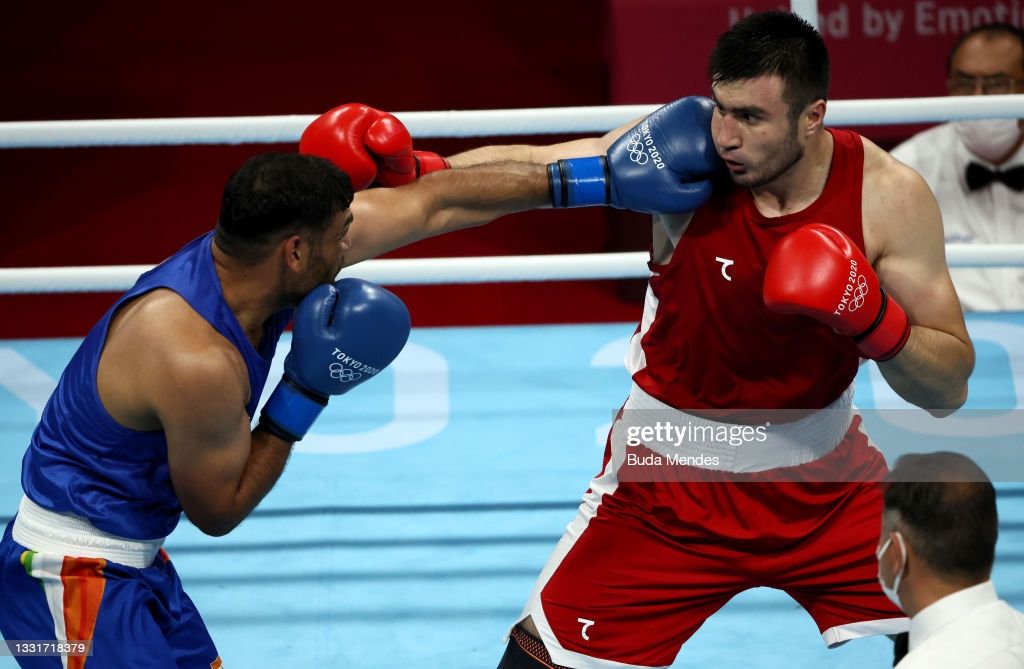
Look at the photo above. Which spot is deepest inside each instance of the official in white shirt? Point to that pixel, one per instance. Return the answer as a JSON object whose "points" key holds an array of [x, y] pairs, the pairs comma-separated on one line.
{"points": [[935, 555], [976, 168]]}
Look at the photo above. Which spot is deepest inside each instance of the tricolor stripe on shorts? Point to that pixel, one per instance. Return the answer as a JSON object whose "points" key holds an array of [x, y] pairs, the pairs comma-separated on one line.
{"points": [[74, 590]]}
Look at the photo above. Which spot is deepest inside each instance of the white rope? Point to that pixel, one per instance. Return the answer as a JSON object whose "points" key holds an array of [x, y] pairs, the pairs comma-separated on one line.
{"points": [[479, 123], [437, 271]]}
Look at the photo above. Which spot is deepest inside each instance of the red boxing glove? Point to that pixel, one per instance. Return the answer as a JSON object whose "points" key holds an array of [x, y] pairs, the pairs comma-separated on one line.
{"points": [[339, 135], [428, 161], [818, 271], [369, 145], [391, 145], [397, 164]]}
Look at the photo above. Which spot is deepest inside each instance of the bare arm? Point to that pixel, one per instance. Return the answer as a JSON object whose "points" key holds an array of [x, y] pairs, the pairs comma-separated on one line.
{"points": [[540, 155], [388, 218], [488, 182], [905, 227], [219, 470]]}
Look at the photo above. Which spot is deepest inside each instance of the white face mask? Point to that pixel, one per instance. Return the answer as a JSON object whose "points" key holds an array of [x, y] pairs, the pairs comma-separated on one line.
{"points": [[990, 139], [892, 593]]}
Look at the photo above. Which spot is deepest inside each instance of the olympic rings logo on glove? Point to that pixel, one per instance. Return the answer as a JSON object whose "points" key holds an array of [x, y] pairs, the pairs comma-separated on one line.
{"points": [[859, 293], [343, 374], [635, 146]]}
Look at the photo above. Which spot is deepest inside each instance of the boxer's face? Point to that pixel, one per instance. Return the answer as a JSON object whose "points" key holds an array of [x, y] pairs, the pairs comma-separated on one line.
{"points": [[753, 130], [327, 255], [335, 242]]}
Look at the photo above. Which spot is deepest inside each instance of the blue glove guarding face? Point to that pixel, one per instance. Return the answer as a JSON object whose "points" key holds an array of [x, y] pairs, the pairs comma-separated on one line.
{"points": [[663, 165], [343, 335]]}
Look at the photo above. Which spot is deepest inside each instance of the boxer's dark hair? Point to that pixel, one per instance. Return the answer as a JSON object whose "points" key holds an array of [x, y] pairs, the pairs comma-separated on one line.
{"points": [[989, 30], [945, 507], [274, 195], [779, 43]]}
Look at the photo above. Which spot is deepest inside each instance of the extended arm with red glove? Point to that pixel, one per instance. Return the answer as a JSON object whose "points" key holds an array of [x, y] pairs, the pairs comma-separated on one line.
{"points": [[819, 272], [369, 145]]}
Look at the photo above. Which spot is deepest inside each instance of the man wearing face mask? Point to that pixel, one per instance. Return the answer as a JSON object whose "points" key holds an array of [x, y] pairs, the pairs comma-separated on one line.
{"points": [[976, 168], [935, 555]]}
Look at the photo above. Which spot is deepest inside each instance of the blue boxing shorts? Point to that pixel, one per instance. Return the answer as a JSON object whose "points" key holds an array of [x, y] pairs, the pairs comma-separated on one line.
{"points": [[135, 616]]}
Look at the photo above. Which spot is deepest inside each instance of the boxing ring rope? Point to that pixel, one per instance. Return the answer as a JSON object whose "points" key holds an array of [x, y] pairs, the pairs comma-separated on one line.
{"points": [[438, 271], [478, 123], [424, 271]]}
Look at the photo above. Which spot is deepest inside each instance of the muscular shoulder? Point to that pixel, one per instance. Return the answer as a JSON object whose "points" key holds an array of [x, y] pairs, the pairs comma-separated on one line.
{"points": [[895, 200], [892, 181], [169, 346]]}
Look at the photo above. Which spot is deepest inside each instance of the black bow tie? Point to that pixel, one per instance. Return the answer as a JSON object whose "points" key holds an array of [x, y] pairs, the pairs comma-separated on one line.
{"points": [[979, 176]]}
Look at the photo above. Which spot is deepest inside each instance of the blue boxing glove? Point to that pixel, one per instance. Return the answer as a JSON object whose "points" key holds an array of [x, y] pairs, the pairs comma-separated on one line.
{"points": [[663, 165], [343, 335]]}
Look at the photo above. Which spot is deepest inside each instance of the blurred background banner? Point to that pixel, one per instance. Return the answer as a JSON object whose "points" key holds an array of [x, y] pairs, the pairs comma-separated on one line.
{"points": [[136, 205]]}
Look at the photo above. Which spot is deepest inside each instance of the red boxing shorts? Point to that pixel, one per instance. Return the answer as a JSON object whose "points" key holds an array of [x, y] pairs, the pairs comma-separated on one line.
{"points": [[645, 563]]}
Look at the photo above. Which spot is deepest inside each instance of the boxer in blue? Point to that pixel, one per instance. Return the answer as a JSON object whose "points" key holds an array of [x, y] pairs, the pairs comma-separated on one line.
{"points": [[152, 415]]}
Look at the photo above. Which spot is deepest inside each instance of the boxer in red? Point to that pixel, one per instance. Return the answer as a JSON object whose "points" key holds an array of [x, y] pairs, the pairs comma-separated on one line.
{"points": [[818, 249], [814, 250]]}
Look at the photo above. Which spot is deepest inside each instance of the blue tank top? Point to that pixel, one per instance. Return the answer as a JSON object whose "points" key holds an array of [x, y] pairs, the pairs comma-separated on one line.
{"points": [[82, 461]]}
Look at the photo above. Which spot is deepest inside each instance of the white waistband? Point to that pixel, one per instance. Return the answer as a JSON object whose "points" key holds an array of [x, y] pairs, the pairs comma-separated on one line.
{"points": [[727, 446], [45, 531]]}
